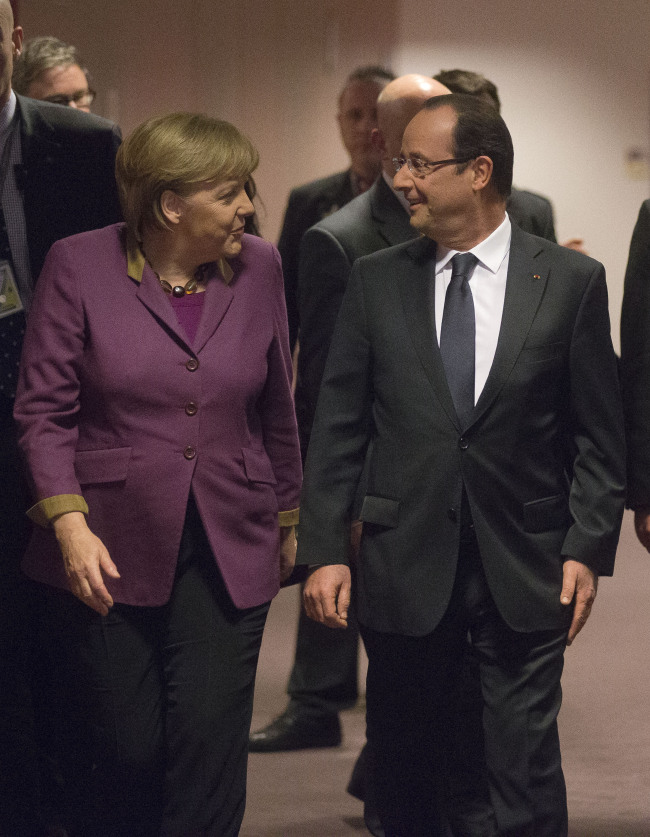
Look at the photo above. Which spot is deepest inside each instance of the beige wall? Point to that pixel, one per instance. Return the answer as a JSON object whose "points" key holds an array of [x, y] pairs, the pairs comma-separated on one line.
{"points": [[273, 68], [574, 80]]}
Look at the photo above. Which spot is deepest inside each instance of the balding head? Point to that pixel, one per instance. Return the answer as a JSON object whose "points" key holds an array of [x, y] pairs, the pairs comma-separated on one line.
{"points": [[397, 104]]}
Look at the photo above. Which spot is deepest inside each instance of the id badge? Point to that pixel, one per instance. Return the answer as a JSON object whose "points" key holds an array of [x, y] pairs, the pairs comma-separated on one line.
{"points": [[10, 301]]}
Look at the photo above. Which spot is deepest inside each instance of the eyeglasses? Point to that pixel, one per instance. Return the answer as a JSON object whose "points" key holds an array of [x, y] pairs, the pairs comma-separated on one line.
{"points": [[82, 98], [421, 168]]}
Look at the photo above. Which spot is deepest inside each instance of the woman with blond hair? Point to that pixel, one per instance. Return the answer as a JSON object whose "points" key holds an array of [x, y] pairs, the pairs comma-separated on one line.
{"points": [[156, 418]]}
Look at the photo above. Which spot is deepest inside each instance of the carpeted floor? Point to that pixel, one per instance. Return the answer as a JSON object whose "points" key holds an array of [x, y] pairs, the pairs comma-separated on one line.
{"points": [[604, 724]]}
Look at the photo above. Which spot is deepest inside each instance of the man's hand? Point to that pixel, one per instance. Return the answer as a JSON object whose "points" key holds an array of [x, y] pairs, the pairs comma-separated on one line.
{"points": [[642, 526], [327, 595], [581, 583], [85, 558]]}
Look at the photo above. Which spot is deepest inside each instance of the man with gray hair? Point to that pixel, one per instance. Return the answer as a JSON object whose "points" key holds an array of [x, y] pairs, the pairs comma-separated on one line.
{"points": [[50, 70]]}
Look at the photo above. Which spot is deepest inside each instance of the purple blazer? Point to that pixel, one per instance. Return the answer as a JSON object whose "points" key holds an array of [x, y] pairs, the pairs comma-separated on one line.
{"points": [[114, 405]]}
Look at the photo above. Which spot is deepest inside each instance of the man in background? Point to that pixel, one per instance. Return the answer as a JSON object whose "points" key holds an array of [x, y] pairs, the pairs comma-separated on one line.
{"points": [[50, 70], [56, 179], [308, 204]]}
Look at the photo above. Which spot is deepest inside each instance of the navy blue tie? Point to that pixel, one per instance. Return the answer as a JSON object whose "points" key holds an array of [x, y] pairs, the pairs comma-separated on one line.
{"points": [[458, 336]]}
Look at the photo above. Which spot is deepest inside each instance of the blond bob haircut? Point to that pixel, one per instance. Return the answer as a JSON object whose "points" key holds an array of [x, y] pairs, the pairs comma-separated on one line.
{"points": [[180, 152]]}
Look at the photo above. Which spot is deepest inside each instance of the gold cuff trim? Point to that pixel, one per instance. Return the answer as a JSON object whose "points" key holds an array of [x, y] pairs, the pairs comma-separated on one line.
{"points": [[44, 512], [289, 518]]}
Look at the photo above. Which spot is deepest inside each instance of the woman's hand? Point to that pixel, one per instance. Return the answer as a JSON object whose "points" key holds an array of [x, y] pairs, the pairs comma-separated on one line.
{"points": [[288, 546], [85, 558]]}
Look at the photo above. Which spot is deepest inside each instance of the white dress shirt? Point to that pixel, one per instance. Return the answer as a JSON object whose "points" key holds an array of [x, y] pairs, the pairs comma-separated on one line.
{"points": [[488, 286]]}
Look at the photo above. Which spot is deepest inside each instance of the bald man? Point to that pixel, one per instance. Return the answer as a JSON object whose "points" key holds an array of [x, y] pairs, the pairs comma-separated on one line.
{"points": [[56, 179]]}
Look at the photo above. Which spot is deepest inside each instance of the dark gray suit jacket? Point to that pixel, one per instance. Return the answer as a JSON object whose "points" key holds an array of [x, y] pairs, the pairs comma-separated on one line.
{"points": [[370, 222], [635, 361], [68, 174], [542, 458], [307, 205]]}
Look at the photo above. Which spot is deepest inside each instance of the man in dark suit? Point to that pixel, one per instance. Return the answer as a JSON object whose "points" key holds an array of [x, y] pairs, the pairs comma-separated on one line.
{"points": [[635, 373], [57, 179], [477, 363], [325, 672], [308, 204]]}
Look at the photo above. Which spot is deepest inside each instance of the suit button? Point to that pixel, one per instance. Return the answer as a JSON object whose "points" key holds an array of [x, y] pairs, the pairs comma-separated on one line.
{"points": [[192, 364], [191, 408], [451, 514], [463, 443], [189, 452]]}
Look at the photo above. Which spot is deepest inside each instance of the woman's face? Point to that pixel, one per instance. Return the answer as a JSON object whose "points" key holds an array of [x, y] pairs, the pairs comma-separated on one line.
{"points": [[213, 219]]}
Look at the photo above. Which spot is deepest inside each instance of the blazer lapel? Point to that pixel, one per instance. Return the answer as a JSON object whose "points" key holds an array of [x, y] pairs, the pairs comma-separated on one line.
{"points": [[418, 299], [152, 296], [526, 282], [218, 296]]}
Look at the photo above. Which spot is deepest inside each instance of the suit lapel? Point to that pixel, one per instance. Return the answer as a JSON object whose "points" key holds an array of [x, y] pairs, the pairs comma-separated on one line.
{"points": [[418, 299], [392, 220], [218, 296], [526, 282]]}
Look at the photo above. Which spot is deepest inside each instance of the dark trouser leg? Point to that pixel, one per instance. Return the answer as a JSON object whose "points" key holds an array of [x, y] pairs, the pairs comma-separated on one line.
{"points": [[323, 679], [210, 655], [407, 763], [520, 674], [29, 788]]}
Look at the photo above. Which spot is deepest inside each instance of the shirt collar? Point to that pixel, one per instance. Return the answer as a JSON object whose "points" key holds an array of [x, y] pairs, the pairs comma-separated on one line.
{"points": [[135, 262], [490, 252]]}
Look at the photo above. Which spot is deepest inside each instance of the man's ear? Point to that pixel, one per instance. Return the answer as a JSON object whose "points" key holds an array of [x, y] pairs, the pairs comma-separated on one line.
{"points": [[17, 41], [482, 168], [171, 206]]}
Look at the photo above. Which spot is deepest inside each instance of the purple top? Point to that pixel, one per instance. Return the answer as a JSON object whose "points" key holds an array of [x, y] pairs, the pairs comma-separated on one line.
{"points": [[188, 309]]}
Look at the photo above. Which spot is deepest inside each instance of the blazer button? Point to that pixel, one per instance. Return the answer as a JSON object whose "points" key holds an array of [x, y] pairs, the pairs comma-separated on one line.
{"points": [[463, 443], [191, 408], [451, 514], [192, 364], [189, 452]]}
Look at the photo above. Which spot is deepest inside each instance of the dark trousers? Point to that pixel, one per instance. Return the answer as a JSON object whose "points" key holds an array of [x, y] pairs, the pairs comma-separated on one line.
{"points": [[30, 785], [412, 696], [167, 695]]}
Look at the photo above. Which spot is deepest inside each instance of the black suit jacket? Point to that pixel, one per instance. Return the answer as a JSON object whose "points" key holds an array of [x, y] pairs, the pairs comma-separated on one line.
{"points": [[635, 361], [542, 458], [532, 213], [370, 222], [307, 205], [68, 174]]}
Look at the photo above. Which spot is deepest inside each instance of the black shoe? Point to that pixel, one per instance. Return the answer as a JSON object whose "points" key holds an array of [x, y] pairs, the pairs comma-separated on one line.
{"points": [[296, 730]]}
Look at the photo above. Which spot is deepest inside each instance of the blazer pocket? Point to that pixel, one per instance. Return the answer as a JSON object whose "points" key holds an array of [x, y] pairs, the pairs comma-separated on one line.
{"points": [[97, 466], [380, 510], [543, 353], [258, 466], [546, 514]]}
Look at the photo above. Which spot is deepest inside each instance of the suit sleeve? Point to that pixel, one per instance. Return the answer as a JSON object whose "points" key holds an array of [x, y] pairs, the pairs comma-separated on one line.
{"points": [[47, 400], [597, 492], [277, 409], [635, 361], [340, 436], [323, 275]]}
